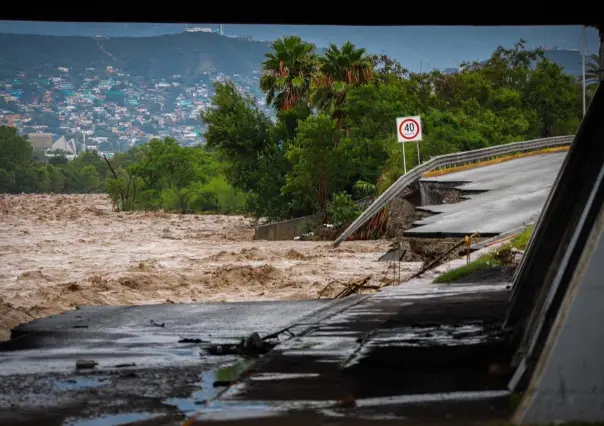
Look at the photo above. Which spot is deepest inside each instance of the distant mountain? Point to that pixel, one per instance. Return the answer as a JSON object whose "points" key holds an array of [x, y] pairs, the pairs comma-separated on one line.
{"points": [[186, 54], [415, 47], [91, 29]]}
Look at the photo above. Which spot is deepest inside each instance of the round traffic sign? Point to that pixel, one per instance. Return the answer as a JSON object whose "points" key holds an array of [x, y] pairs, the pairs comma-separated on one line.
{"points": [[409, 128]]}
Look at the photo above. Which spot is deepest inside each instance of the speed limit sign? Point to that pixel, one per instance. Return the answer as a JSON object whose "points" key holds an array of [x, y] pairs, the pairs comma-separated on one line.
{"points": [[409, 129]]}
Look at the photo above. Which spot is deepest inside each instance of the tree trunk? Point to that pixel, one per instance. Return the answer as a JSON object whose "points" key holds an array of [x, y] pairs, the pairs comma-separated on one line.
{"points": [[322, 192], [340, 119]]}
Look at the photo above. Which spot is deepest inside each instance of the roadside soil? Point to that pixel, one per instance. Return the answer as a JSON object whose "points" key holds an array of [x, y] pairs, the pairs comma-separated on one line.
{"points": [[61, 251]]}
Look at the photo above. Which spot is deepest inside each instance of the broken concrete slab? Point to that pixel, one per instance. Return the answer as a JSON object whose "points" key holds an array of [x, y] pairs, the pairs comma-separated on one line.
{"points": [[516, 191]]}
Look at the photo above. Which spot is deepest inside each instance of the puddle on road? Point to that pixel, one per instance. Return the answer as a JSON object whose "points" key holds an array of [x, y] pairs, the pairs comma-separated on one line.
{"points": [[112, 420], [207, 391], [191, 353], [81, 383]]}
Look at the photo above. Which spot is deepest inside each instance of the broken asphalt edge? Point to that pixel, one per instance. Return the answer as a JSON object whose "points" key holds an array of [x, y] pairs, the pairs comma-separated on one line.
{"points": [[324, 313]]}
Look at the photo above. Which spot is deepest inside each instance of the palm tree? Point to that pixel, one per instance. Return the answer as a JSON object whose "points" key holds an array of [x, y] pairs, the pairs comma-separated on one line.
{"points": [[287, 72], [592, 77], [338, 71], [592, 65]]}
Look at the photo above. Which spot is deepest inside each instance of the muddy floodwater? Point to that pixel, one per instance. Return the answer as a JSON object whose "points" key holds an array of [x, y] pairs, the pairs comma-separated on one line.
{"points": [[61, 251]]}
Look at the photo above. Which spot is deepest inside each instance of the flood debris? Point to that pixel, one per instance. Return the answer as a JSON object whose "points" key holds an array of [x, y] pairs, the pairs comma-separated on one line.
{"points": [[251, 346], [350, 288], [85, 364], [190, 340], [254, 344], [132, 364]]}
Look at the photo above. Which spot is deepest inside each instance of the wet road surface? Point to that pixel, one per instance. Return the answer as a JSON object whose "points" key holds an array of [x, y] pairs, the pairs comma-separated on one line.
{"points": [[414, 352], [145, 370], [397, 357]]}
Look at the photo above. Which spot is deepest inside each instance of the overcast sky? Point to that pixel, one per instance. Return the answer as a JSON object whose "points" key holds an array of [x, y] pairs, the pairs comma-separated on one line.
{"points": [[415, 47]]}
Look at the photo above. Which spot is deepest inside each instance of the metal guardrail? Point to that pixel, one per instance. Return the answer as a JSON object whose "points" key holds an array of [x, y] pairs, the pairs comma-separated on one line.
{"points": [[449, 160]]}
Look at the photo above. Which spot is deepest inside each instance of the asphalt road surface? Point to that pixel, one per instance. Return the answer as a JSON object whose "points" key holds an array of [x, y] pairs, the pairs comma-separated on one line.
{"points": [[144, 368], [501, 197]]}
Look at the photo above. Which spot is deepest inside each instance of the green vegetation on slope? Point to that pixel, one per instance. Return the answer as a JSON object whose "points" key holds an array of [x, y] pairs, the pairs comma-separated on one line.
{"points": [[334, 131], [493, 259], [521, 240]]}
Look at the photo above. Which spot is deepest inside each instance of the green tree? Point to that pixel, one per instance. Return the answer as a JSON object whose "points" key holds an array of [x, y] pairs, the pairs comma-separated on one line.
{"points": [[319, 167], [287, 72], [168, 165], [15, 150], [16, 161], [81, 178], [386, 69], [55, 178], [592, 67], [239, 131], [251, 147], [94, 159], [553, 95], [339, 70], [592, 75]]}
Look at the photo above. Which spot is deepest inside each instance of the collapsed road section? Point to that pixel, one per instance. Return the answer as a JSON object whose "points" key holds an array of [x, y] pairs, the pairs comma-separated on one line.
{"points": [[494, 199]]}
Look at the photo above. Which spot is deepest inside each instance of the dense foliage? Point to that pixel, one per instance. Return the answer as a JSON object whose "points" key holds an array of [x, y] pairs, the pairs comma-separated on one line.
{"points": [[23, 170], [333, 139]]}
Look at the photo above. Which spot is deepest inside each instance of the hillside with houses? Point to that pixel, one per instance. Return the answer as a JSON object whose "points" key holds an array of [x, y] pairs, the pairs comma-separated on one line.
{"points": [[120, 91]]}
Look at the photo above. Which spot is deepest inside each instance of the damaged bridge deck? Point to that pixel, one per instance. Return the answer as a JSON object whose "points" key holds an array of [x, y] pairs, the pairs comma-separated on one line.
{"points": [[494, 199]]}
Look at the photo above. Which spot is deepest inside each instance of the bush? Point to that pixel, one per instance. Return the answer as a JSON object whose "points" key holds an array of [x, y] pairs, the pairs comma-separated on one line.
{"points": [[342, 209]]}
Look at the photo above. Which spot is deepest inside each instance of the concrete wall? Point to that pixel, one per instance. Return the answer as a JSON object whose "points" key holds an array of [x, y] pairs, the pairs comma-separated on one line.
{"points": [[286, 230], [569, 380]]}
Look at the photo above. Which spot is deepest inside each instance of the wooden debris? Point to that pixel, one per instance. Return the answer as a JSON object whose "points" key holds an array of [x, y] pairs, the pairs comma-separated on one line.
{"points": [[350, 288], [132, 364], [434, 263]]}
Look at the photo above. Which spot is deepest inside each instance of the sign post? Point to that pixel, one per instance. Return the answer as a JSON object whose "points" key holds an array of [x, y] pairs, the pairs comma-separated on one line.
{"points": [[409, 129]]}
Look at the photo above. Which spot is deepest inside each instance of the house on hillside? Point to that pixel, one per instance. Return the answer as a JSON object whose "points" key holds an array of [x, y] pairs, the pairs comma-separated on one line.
{"points": [[65, 147], [40, 140]]}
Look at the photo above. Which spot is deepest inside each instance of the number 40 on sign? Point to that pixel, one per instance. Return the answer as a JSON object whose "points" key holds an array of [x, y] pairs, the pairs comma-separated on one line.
{"points": [[409, 129]]}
